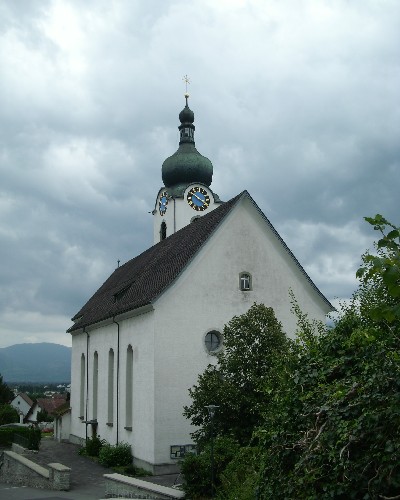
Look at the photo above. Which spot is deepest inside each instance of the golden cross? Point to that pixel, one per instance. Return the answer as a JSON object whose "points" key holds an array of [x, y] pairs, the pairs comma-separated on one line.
{"points": [[187, 81]]}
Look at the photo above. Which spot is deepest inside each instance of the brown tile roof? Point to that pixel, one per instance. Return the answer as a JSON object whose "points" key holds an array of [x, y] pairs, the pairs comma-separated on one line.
{"points": [[142, 279], [61, 410], [50, 404]]}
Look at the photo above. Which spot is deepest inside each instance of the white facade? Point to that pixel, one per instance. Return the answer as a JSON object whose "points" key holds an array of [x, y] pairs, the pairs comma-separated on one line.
{"points": [[21, 405], [62, 426], [131, 374]]}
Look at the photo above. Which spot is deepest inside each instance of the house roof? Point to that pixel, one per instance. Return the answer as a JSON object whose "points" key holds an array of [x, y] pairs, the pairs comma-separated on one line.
{"points": [[50, 405], [25, 397], [141, 280], [62, 410]]}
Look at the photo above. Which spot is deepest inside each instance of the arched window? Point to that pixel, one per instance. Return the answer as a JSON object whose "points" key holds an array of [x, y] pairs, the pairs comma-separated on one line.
{"points": [[245, 281], [82, 387], [110, 391], [163, 231], [129, 388], [213, 341], [95, 384]]}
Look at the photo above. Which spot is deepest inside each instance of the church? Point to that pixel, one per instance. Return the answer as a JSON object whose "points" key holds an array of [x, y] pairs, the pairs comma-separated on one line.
{"points": [[142, 339]]}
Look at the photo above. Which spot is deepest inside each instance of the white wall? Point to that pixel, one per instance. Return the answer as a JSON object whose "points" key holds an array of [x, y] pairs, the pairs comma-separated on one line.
{"points": [[206, 297], [20, 405]]}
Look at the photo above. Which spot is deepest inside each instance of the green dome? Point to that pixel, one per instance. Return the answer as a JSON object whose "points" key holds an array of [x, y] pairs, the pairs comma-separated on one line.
{"points": [[186, 115], [187, 165]]}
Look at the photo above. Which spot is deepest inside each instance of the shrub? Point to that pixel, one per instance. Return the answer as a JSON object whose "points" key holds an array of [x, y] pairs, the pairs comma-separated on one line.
{"points": [[8, 414], [92, 447], [30, 436], [240, 478], [196, 469], [115, 455]]}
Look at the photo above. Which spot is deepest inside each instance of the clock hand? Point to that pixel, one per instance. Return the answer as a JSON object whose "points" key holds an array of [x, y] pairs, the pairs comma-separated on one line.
{"points": [[195, 195]]}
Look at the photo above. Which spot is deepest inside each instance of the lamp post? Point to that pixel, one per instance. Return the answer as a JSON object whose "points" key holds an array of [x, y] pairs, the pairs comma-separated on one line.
{"points": [[211, 411]]}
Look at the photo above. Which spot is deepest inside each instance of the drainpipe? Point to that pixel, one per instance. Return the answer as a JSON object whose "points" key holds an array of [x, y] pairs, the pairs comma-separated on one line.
{"points": [[174, 215], [117, 412], [87, 382]]}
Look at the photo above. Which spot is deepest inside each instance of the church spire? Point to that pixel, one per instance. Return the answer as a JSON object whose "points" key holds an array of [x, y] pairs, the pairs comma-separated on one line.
{"points": [[186, 165], [186, 128]]}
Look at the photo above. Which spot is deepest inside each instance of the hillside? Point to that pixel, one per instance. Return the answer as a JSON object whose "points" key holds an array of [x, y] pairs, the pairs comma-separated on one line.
{"points": [[42, 362]]}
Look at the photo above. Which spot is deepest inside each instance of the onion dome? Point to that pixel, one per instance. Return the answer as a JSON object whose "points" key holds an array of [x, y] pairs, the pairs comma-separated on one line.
{"points": [[187, 165]]}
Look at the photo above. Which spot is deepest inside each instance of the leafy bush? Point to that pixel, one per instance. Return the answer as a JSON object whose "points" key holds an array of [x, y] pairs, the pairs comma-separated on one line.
{"points": [[115, 455], [34, 437], [92, 447], [43, 416], [8, 414], [6, 436], [196, 469], [31, 436], [332, 426], [239, 480]]}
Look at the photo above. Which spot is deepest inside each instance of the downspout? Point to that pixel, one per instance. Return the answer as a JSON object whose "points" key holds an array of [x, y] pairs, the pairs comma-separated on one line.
{"points": [[87, 383], [174, 215], [117, 412]]}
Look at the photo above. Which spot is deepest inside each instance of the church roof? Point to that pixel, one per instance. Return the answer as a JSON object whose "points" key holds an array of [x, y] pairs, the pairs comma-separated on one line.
{"points": [[141, 280]]}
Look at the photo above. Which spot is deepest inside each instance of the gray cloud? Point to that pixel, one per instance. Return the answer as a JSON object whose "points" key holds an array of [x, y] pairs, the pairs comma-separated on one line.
{"points": [[295, 101]]}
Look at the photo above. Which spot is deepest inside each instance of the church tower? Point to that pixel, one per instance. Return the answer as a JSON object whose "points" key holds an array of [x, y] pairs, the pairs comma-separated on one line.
{"points": [[187, 175]]}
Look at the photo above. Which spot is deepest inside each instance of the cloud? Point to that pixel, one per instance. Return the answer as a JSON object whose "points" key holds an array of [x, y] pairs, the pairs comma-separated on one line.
{"points": [[294, 101]]}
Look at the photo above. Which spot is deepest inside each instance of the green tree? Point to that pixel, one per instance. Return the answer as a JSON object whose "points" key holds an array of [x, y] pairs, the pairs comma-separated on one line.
{"points": [[6, 394], [8, 414], [252, 344], [43, 416], [332, 426], [380, 275]]}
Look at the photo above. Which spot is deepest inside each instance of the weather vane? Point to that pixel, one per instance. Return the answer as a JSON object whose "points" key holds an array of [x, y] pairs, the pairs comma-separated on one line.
{"points": [[187, 82]]}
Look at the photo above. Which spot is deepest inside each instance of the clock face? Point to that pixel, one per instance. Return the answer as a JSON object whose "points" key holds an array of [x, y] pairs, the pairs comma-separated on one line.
{"points": [[163, 202], [198, 199]]}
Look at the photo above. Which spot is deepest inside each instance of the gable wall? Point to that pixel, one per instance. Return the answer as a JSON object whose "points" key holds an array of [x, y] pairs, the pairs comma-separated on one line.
{"points": [[20, 405], [207, 296]]}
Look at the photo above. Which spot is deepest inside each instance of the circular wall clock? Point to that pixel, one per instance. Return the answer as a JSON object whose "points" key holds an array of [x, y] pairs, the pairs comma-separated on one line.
{"points": [[198, 198], [163, 202]]}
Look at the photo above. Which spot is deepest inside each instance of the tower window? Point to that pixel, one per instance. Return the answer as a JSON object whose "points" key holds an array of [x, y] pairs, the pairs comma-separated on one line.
{"points": [[244, 281], [163, 231]]}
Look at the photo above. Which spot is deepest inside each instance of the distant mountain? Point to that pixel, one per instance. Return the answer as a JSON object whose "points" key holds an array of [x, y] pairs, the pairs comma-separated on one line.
{"points": [[42, 362]]}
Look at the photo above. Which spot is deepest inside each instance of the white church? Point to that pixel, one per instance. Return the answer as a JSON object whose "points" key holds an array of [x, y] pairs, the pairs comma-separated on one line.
{"points": [[155, 324]]}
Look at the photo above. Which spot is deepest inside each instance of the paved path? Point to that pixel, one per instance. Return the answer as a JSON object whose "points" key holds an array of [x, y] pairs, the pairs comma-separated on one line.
{"points": [[87, 481]]}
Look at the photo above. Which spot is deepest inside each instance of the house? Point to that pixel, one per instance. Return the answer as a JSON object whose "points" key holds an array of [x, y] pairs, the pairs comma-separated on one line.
{"points": [[154, 325], [47, 405], [22, 403]]}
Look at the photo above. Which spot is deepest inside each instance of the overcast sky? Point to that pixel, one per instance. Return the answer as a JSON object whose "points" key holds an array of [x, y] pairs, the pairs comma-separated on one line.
{"points": [[295, 101]]}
